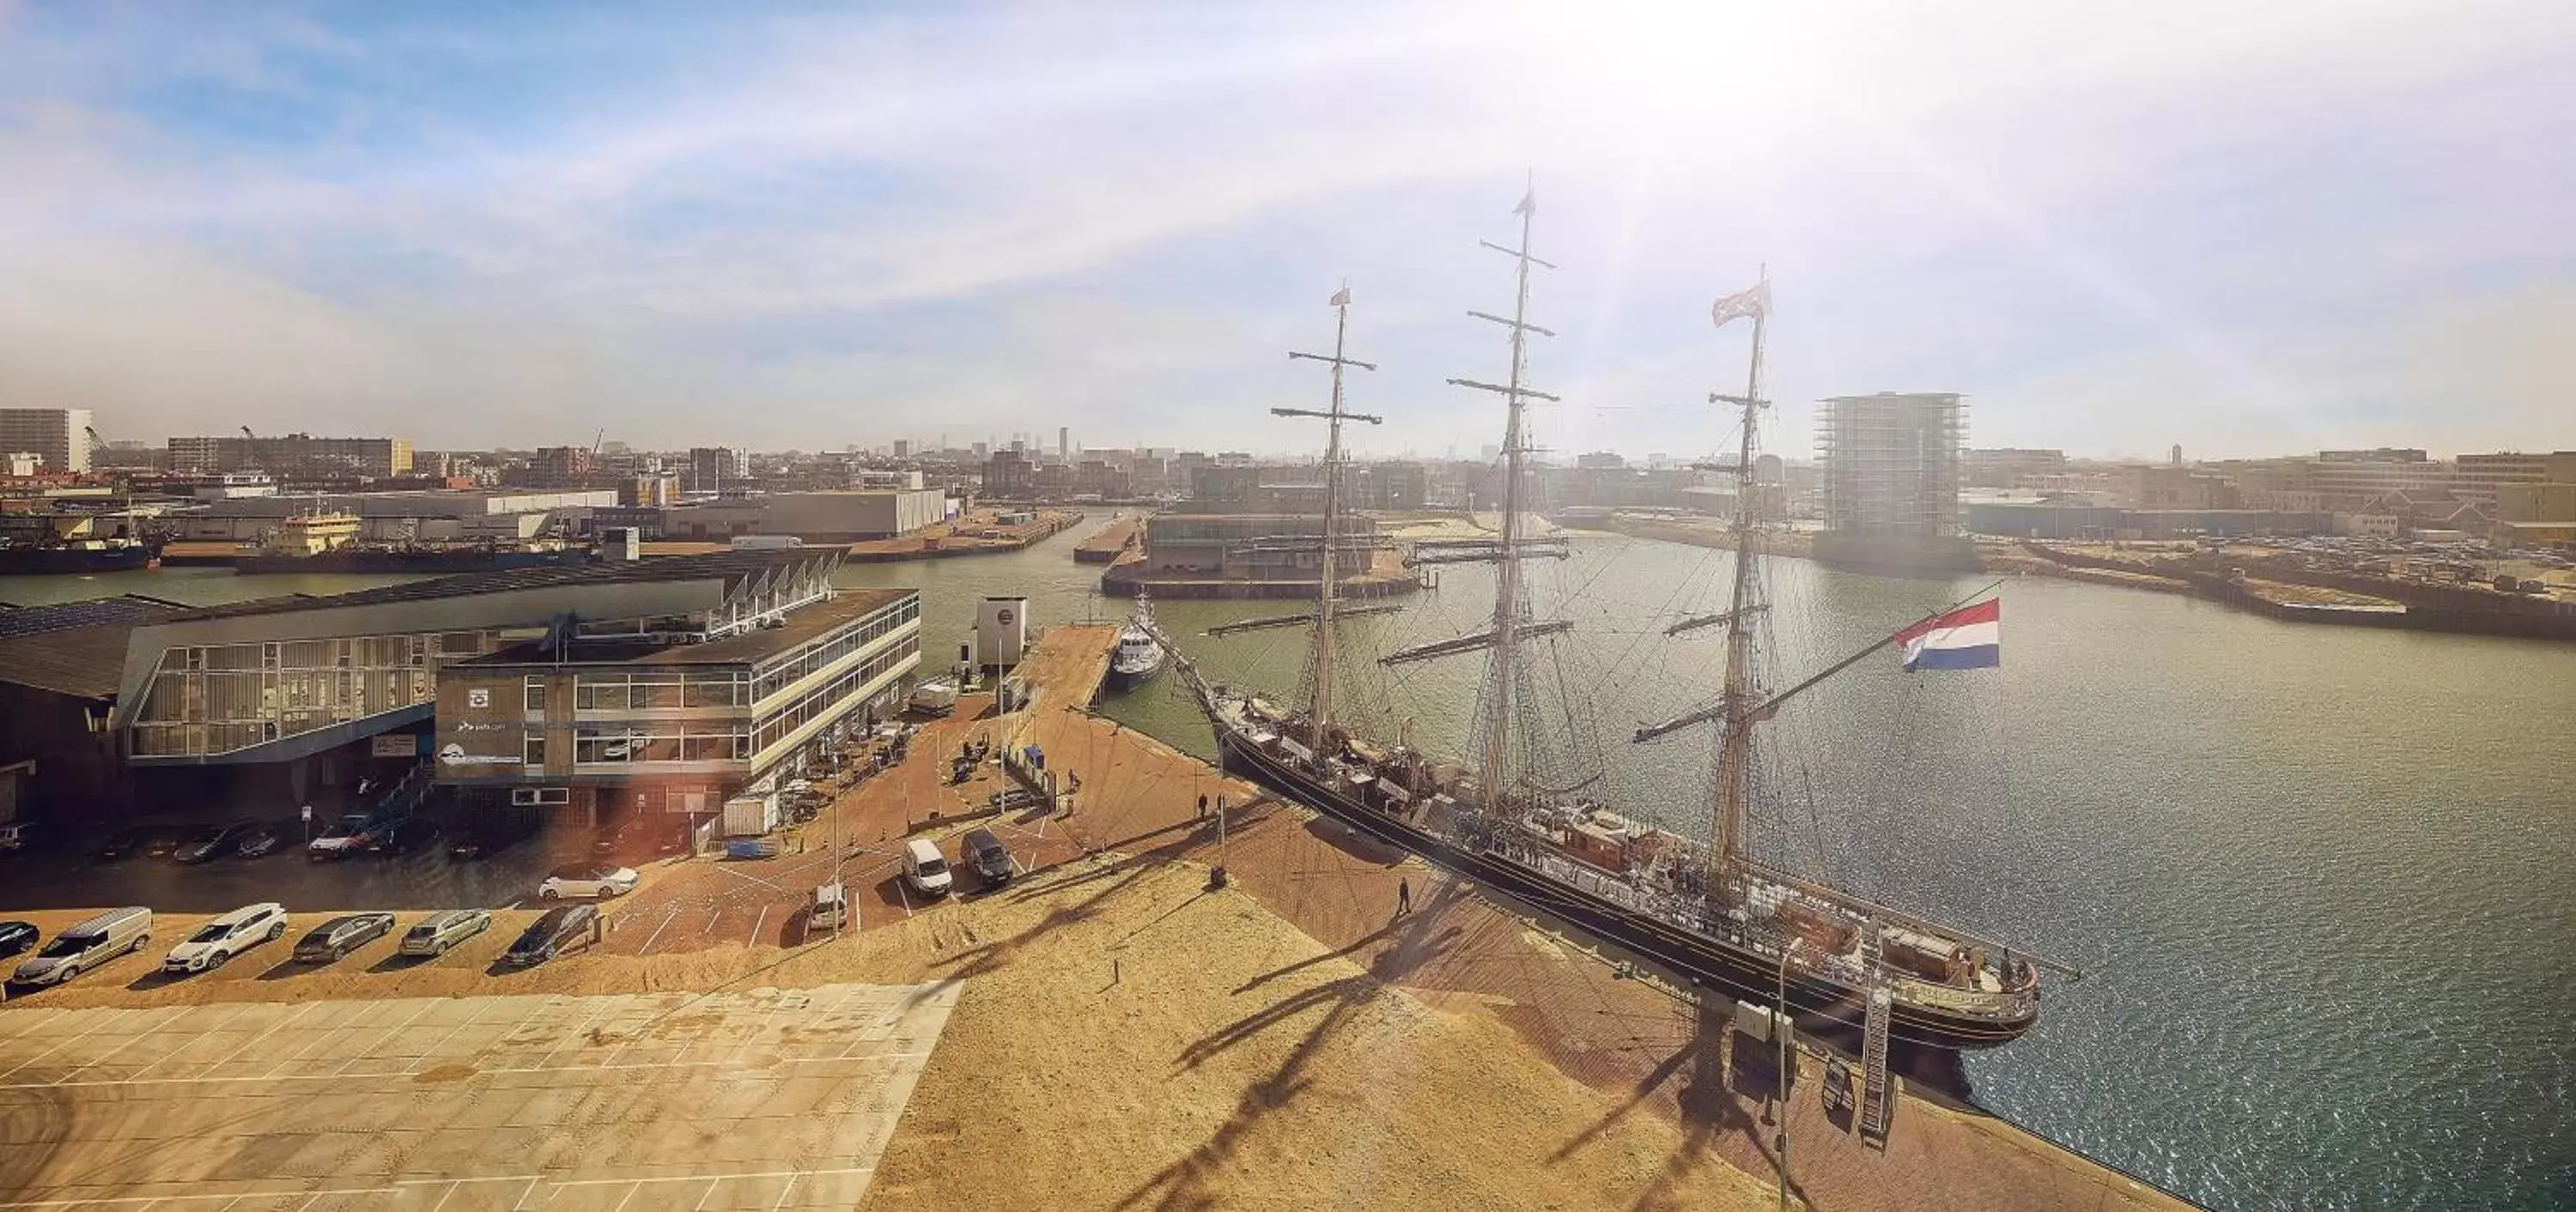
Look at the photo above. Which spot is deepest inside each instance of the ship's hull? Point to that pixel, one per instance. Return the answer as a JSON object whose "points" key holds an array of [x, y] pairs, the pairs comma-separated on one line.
{"points": [[50, 561], [1739, 973], [1128, 675], [363, 561]]}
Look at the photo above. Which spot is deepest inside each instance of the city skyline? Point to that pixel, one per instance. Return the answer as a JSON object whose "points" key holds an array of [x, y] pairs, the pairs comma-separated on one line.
{"points": [[2253, 236]]}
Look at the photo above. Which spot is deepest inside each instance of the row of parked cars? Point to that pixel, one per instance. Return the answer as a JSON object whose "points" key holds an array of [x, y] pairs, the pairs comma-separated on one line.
{"points": [[119, 932]]}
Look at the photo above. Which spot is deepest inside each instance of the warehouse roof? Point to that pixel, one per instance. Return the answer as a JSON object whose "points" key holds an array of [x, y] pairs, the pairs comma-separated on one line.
{"points": [[735, 567]]}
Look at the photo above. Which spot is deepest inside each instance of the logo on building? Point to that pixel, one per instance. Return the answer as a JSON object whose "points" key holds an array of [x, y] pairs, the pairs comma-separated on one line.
{"points": [[479, 696], [454, 755]]}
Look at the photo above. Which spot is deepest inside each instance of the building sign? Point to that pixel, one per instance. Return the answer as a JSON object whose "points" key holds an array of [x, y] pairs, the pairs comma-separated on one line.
{"points": [[455, 755], [471, 726], [478, 696], [397, 745]]}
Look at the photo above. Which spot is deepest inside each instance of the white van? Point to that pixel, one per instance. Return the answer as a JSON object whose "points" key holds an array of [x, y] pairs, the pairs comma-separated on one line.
{"points": [[923, 866], [88, 945], [831, 909], [228, 936]]}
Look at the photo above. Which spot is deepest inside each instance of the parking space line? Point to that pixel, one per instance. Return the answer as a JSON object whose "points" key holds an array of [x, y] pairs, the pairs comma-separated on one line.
{"points": [[657, 931], [104, 1018], [573, 1036], [149, 1200], [254, 1040], [423, 1059], [246, 1011], [757, 923], [427, 1005], [712, 1184], [176, 1013], [790, 1189]]}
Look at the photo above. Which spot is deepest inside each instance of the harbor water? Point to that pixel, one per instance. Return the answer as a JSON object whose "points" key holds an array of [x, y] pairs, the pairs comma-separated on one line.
{"points": [[2321, 881]]}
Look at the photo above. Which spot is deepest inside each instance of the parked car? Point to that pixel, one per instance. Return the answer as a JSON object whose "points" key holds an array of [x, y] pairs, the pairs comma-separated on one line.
{"points": [[554, 932], [16, 938], [338, 937], [831, 908], [88, 945], [490, 835], [209, 843], [132, 840], [262, 840], [228, 936], [402, 837], [601, 880], [925, 868], [338, 838], [17, 835], [990, 859], [442, 931], [617, 837]]}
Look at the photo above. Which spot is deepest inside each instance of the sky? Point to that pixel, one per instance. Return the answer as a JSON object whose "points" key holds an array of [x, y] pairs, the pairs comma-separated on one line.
{"points": [[2246, 229]]}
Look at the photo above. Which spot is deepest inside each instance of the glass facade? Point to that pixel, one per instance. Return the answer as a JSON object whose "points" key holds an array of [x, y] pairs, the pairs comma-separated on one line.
{"points": [[221, 698], [822, 699], [770, 679]]}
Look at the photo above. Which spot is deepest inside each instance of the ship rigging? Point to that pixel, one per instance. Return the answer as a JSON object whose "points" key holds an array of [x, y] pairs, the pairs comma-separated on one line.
{"points": [[1705, 910]]}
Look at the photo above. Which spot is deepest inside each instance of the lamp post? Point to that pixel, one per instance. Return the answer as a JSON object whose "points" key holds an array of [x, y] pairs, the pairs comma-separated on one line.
{"points": [[1780, 1130]]}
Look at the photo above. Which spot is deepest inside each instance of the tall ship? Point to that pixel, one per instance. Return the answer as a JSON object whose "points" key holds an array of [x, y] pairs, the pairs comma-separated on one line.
{"points": [[1703, 908], [1137, 658]]}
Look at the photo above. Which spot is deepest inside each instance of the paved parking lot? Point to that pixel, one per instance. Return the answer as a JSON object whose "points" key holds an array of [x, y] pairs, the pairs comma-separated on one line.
{"points": [[759, 1099]]}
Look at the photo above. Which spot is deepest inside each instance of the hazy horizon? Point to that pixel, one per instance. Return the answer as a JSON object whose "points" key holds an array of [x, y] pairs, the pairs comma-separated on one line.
{"points": [[2252, 232]]}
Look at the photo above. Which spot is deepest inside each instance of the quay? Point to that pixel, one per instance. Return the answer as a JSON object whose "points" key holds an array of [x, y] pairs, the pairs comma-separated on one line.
{"points": [[1181, 1045], [1111, 541]]}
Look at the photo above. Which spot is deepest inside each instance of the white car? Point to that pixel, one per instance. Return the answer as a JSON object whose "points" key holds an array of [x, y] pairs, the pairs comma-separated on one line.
{"points": [[602, 881], [228, 936], [338, 838]]}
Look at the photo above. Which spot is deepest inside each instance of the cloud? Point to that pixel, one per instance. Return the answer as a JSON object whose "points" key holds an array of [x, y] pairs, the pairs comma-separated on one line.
{"points": [[811, 229]]}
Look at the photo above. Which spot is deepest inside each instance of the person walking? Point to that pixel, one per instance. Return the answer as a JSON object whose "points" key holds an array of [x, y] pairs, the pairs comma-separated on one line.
{"points": [[1403, 896], [1202, 807]]}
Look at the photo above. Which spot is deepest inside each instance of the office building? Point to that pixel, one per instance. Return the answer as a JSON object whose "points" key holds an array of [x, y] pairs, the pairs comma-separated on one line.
{"points": [[713, 468]]}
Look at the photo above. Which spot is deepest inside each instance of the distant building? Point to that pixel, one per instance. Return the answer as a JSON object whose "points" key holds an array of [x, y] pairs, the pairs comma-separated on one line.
{"points": [[2537, 503], [1891, 482], [2482, 477], [60, 435], [560, 466], [1600, 459], [1010, 475], [1891, 463], [2008, 467], [713, 468], [294, 454]]}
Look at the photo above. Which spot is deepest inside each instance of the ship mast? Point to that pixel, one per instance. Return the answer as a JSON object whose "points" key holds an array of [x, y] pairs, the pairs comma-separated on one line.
{"points": [[1319, 707], [1735, 743], [1504, 679]]}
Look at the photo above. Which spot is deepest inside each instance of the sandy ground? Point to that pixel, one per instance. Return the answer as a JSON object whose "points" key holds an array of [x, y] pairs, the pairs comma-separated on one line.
{"points": [[1123, 1037]]}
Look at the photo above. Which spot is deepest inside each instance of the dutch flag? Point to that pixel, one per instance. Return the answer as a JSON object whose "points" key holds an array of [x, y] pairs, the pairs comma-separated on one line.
{"points": [[1970, 637]]}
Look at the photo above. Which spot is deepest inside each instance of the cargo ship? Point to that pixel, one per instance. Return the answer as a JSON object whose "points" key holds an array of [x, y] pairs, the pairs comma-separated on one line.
{"points": [[1702, 909], [79, 556], [412, 559]]}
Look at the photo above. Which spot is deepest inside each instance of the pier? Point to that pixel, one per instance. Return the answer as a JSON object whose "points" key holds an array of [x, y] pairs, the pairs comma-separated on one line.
{"points": [[1111, 541]]}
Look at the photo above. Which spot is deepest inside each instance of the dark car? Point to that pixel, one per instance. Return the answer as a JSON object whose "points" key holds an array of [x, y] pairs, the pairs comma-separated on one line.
{"points": [[990, 859], [342, 935], [490, 836], [619, 836], [260, 840], [554, 932], [402, 838], [207, 844], [133, 840], [16, 937]]}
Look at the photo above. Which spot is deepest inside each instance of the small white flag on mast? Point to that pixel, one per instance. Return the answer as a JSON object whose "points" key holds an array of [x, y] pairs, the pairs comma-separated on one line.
{"points": [[1755, 303], [1341, 298]]}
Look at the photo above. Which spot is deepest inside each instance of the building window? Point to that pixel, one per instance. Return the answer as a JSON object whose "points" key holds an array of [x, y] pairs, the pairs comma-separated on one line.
{"points": [[536, 695], [534, 796], [534, 751]]}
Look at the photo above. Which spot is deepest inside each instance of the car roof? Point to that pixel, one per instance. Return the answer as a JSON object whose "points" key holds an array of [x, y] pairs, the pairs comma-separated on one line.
{"points": [[982, 837], [921, 848], [247, 912]]}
